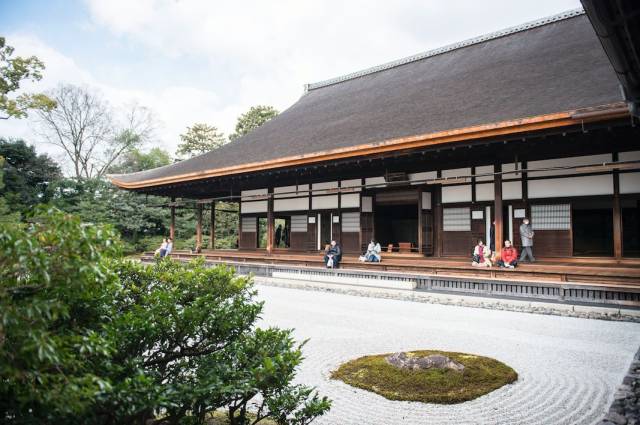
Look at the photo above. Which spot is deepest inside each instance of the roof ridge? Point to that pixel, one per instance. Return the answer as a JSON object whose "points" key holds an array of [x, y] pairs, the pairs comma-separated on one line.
{"points": [[448, 48]]}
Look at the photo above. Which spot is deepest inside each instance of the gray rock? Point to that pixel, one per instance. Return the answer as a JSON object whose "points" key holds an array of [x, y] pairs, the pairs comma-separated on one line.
{"points": [[616, 418], [434, 361]]}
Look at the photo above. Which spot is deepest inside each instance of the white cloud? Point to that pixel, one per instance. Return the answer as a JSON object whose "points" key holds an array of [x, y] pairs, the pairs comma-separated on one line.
{"points": [[257, 52]]}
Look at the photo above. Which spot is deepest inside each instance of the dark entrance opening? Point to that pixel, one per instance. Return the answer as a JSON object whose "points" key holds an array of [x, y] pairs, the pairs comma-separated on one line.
{"points": [[395, 224], [282, 232], [592, 229], [631, 228], [325, 230]]}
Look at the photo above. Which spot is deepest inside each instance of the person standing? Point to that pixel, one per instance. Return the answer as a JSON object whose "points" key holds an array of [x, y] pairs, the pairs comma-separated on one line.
{"points": [[278, 235], [526, 236]]}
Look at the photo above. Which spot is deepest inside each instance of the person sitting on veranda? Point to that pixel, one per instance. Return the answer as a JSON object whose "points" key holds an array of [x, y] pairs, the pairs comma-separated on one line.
{"points": [[373, 252], [333, 255], [508, 256], [163, 248], [169, 248], [481, 255]]}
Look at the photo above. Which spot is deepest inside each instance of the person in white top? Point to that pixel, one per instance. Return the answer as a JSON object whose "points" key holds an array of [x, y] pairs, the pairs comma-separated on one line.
{"points": [[373, 252], [163, 248], [169, 247]]}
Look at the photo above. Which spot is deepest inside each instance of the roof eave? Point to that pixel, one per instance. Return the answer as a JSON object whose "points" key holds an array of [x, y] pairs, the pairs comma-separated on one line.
{"points": [[514, 126]]}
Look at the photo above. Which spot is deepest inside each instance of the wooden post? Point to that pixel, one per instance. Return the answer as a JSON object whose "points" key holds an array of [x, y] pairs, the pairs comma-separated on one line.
{"points": [[420, 221], [617, 214], [172, 224], [497, 208], [436, 204], [212, 231], [270, 223], [198, 226]]}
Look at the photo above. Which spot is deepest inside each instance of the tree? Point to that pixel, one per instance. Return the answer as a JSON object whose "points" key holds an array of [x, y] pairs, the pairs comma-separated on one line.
{"points": [[5, 212], [252, 119], [199, 139], [89, 338], [136, 160], [12, 72], [28, 177], [55, 294], [84, 127]]}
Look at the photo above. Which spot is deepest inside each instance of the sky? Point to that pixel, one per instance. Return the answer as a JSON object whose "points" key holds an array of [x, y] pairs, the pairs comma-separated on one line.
{"points": [[208, 61]]}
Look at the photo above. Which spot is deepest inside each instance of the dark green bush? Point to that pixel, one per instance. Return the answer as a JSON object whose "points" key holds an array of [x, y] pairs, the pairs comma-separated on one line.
{"points": [[89, 338]]}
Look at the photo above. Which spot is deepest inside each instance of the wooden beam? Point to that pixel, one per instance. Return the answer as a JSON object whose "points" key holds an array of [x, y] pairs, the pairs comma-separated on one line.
{"points": [[270, 223], [436, 204], [199, 227], [212, 231], [420, 221], [172, 224], [617, 214], [497, 208]]}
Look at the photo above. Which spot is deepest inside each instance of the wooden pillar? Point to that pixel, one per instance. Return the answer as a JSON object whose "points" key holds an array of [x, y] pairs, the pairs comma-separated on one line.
{"points": [[420, 221], [172, 224], [617, 213], [270, 222], [212, 231], [497, 208], [198, 226], [437, 219]]}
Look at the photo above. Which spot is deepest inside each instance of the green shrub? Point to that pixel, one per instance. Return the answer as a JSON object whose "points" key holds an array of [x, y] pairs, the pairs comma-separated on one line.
{"points": [[89, 338]]}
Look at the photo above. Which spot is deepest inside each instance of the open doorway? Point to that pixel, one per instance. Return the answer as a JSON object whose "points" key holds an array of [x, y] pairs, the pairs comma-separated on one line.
{"points": [[592, 225], [324, 231], [282, 229], [397, 224]]}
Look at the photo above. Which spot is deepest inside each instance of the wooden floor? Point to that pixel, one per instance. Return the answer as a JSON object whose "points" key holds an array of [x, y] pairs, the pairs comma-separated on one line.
{"points": [[605, 271]]}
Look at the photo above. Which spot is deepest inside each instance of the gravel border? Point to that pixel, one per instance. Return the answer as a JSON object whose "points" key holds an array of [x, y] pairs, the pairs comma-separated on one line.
{"points": [[523, 306], [625, 409]]}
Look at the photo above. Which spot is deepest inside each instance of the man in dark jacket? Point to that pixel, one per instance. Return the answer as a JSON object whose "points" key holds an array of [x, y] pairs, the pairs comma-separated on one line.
{"points": [[333, 255], [526, 235]]}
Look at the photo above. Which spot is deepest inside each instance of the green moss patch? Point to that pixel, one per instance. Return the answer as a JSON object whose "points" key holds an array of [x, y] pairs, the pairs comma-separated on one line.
{"points": [[443, 386]]}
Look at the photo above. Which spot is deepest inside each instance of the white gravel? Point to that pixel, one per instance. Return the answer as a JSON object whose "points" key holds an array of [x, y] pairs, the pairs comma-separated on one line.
{"points": [[568, 368]]}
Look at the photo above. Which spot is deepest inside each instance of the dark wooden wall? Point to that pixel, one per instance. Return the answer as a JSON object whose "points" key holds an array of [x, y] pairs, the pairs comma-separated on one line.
{"points": [[248, 240]]}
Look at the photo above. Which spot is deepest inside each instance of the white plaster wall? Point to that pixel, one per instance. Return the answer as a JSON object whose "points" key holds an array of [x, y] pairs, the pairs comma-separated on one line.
{"points": [[253, 207], [630, 183], [423, 176], [426, 200], [484, 170], [512, 190], [456, 172], [355, 183], [565, 162], [292, 204], [629, 156], [350, 200], [377, 181], [324, 202], [571, 186], [456, 194]]}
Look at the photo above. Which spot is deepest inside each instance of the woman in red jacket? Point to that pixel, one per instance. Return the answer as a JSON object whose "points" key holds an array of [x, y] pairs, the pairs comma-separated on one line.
{"points": [[508, 256]]}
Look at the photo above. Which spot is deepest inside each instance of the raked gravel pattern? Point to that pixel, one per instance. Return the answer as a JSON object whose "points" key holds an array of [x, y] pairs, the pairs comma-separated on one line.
{"points": [[569, 368]]}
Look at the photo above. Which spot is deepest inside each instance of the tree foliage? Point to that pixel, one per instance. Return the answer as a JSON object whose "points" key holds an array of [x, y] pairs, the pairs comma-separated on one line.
{"points": [[137, 160], [28, 176], [13, 71], [88, 338], [252, 119], [198, 139], [84, 127]]}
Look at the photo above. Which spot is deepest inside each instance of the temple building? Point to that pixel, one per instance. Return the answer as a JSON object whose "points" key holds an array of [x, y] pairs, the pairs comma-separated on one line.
{"points": [[427, 153]]}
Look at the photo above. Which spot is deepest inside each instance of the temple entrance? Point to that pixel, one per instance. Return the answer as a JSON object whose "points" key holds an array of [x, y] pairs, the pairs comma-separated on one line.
{"points": [[592, 225], [282, 232], [397, 225], [324, 230]]}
